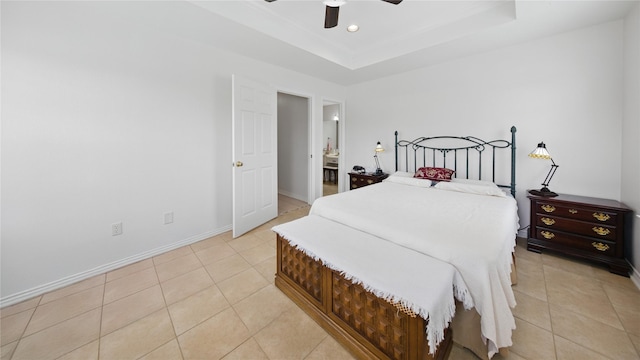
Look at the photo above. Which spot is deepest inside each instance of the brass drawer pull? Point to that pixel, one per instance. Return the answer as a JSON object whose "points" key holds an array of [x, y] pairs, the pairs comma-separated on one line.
{"points": [[369, 181], [601, 231], [600, 246], [548, 234], [548, 208], [601, 216], [573, 211], [548, 221]]}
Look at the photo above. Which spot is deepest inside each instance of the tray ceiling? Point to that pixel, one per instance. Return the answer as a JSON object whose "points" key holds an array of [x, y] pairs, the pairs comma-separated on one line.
{"points": [[392, 38]]}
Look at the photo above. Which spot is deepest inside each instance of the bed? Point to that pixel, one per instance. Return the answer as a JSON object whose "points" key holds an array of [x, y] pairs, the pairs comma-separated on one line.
{"points": [[381, 267]]}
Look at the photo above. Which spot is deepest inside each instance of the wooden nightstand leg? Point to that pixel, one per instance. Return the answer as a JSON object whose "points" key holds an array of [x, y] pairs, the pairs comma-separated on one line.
{"points": [[619, 269], [534, 248]]}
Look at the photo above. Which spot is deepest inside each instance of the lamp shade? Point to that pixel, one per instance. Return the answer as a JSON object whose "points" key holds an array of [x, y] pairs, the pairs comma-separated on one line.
{"points": [[379, 147], [540, 152], [334, 3]]}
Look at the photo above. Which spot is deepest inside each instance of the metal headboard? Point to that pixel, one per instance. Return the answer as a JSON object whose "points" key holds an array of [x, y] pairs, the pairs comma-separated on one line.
{"points": [[463, 150]]}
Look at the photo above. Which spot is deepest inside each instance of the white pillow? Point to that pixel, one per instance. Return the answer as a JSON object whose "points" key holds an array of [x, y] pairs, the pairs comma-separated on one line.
{"points": [[471, 188], [401, 177], [402, 174], [474, 182]]}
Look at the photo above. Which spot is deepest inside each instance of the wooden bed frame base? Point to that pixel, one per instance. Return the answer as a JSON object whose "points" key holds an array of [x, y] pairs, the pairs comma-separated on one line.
{"points": [[368, 326]]}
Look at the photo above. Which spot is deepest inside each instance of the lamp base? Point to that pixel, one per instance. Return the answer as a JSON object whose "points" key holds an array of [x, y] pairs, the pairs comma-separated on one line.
{"points": [[378, 172], [543, 192]]}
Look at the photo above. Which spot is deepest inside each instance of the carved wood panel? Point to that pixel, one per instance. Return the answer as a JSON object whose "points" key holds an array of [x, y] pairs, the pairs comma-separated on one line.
{"points": [[302, 269], [379, 321]]}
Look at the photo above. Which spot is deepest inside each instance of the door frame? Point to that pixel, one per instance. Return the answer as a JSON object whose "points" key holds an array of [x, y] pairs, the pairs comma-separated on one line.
{"points": [[341, 144]]}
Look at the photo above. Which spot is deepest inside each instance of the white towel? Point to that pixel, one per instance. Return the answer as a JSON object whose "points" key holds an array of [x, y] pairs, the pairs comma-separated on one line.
{"points": [[421, 283]]}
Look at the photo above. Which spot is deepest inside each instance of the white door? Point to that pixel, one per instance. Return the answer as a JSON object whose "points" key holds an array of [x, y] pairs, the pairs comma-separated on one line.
{"points": [[255, 186]]}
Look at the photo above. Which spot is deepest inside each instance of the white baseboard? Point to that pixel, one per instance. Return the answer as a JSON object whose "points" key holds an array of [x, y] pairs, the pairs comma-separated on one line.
{"points": [[292, 195], [635, 277], [54, 285]]}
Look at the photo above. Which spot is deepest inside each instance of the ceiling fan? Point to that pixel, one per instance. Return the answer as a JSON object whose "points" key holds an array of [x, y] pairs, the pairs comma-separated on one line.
{"points": [[333, 8]]}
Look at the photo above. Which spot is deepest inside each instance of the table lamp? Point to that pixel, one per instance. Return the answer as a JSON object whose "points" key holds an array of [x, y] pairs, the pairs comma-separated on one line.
{"points": [[541, 152], [378, 149]]}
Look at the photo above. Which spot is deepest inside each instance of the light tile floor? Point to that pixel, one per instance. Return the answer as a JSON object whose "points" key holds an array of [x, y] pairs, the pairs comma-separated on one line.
{"points": [[286, 204], [216, 299], [329, 188]]}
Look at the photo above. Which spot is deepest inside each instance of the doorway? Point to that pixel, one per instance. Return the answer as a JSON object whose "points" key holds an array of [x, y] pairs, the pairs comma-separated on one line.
{"points": [[293, 150], [272, 153]]}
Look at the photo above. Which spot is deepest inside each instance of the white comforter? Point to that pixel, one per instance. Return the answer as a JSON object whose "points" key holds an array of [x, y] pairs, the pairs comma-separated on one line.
{"points": [[474, 233]]}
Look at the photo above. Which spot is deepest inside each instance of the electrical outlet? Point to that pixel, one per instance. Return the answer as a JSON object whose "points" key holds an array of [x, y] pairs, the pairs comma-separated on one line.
{"points": [[116, 229], [168, 217]]}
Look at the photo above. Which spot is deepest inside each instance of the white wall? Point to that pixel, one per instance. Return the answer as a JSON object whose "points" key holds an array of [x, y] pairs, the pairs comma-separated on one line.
{"points": [[631, 129], [108, 116], [293, 146], [565, 90]]}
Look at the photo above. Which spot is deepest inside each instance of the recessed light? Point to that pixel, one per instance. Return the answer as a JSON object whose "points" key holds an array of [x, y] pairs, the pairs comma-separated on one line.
{"points": [[353, 28], [334, 3]]}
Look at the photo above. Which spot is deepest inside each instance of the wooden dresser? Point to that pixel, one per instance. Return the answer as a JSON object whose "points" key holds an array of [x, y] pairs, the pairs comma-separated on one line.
{"points": [[360, 180], [590, 228]]}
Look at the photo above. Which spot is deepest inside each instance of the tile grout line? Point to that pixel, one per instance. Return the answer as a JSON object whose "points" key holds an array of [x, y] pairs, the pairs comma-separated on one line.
{"points": [[618, 316], [166, 309], [25, 327], [317, 346], [104, 292], [546, 293], [554, 334], [204, 267], [253, 266], [62, 321]]}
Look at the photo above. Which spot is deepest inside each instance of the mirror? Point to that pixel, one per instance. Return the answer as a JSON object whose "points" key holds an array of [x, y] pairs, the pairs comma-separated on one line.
{"points": [[330, 150]]}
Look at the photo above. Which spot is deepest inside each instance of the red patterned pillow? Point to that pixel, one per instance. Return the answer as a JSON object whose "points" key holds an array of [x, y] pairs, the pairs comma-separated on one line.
{"points": [[434, 173]]}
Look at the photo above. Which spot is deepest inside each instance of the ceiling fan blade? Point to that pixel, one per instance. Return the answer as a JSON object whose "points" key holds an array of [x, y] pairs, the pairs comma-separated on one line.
{"points": [[394, 2], [331, 17]]}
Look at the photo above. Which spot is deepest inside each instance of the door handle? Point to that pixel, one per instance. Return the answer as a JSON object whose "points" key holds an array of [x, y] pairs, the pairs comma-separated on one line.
{"points": [[238, 164]]}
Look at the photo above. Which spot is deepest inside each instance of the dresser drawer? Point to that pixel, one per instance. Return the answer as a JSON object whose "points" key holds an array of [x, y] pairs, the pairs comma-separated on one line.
{"points": [[360, 180], [596, 246], [578, 213], [599, 231], [591, 228]]}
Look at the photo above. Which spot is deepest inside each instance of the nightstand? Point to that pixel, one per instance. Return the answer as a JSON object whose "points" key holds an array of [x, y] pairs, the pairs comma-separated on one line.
{"points": [[591, 228], [360, 180]]}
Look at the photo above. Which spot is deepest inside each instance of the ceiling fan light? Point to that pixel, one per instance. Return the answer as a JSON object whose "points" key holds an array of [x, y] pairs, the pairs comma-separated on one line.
{"points": [[353, 28], [334, 3]]}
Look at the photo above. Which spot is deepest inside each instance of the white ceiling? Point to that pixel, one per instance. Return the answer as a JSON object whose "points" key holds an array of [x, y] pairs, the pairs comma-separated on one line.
{"points": [[392, 38]]}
